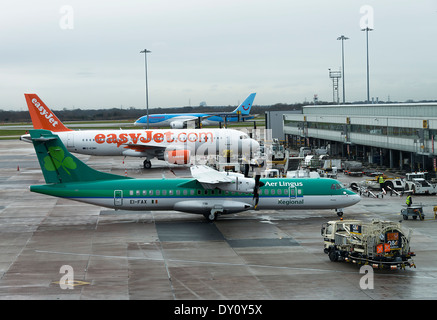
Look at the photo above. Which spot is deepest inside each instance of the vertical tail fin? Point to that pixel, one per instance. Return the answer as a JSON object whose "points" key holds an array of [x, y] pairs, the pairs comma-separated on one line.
{"points": [[42, 116], [60, 166], [246, 105]]}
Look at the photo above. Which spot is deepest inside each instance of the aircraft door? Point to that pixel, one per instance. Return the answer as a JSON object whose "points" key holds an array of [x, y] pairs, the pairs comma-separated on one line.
{"points": [[295, 192], [118, 198], [292, 192], [70, 140]]}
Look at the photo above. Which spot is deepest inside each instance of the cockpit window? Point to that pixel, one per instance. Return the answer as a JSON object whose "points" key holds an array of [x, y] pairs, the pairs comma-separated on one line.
{"points": [[337, 186]]}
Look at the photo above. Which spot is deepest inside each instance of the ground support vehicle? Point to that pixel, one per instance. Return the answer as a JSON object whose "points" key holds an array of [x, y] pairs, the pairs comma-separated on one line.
{"points": [[395, 184], [353, 168], [380, 244], [413, 211], [414, 182], [366, 191], [417, 183]]}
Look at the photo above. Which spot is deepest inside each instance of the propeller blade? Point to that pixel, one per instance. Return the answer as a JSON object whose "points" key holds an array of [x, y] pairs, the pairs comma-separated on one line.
{"points": [[256, 189], [246, 170]]}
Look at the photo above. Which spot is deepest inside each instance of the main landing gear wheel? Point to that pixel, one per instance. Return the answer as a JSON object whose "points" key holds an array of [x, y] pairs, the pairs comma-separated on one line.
{"points": [[147, 164], [211, 217]]}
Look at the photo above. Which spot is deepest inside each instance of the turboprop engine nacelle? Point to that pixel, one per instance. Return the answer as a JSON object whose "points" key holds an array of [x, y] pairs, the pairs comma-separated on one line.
{"points": [[241, 183]]}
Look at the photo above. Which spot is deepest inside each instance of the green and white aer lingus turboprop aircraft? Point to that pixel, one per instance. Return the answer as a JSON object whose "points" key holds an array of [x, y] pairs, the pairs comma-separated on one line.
{"points": [[209, 192]]}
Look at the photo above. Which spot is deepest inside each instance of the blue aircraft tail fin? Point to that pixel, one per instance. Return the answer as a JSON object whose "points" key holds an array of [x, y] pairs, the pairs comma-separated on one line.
{"points": [[246, 105]]}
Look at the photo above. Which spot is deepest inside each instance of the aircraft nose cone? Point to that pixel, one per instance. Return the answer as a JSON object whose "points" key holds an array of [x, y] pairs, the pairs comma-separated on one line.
{"points": [[356, 198]]}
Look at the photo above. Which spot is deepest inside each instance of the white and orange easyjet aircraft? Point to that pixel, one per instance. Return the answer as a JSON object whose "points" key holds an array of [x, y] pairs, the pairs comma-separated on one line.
{"points": [[176, 146]]}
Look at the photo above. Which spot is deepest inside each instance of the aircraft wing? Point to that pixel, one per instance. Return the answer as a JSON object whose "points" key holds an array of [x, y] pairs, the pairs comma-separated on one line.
{"points": [[141, 150], [207, 175], [211, 179], [141, 147], [243, 116]]}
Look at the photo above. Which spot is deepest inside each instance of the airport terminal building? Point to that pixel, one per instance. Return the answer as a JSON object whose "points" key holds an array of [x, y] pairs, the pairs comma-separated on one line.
{"points": [[396, 136]]}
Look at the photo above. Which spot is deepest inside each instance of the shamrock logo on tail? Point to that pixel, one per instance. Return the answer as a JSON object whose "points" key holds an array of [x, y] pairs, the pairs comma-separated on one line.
{"points": [[57, 159]]}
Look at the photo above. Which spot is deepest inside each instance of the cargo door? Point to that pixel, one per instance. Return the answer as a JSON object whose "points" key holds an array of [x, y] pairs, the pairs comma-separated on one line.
{"points": [[118, 198]]}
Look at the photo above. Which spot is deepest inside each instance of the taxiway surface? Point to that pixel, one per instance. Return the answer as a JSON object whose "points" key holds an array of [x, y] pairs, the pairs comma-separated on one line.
{"points": [[170, 255]]}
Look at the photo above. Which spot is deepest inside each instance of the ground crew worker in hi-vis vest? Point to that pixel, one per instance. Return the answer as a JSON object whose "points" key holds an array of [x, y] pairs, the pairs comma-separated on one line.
{"points": [[409, 200], [381, 182]]}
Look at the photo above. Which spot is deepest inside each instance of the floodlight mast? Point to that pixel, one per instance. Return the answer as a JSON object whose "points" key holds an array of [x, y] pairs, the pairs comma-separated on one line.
{"points": [[367, 29], [342, 38], [145, 51]]}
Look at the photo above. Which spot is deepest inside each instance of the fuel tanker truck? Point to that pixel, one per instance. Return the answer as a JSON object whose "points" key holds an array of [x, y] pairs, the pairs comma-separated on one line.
{"points": [[380, 244]]}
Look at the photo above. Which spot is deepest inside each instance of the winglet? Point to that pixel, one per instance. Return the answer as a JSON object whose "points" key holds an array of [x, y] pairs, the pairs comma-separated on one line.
{"points": [[42, 116], [246, 105]]}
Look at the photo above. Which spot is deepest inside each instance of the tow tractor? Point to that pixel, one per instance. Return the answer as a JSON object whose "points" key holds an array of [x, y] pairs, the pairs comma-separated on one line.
{"points": [[381, 244]]}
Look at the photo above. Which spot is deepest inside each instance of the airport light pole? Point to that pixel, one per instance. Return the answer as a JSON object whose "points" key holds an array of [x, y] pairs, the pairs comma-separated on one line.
{"points": [[342, 38], [367, 29], [145, 51]]}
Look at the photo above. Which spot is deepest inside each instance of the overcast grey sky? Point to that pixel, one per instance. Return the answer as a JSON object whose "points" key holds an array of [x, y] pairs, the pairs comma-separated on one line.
{"points": [[87, 55]]}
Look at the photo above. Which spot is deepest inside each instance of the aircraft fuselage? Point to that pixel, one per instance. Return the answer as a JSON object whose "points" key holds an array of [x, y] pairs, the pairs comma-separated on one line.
{"points": [[187, 195]]}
